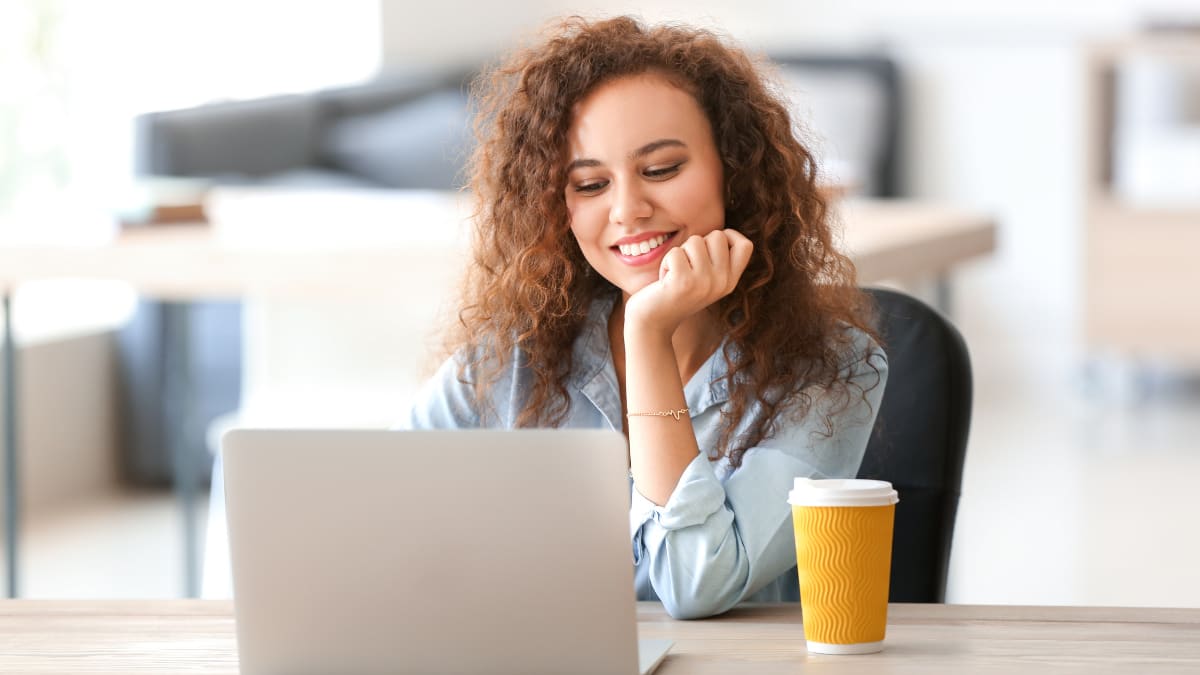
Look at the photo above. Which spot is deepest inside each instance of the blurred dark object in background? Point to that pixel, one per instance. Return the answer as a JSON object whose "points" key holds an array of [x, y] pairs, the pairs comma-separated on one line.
{"points": [[210, 365], [1182, 25], [400, 132]]}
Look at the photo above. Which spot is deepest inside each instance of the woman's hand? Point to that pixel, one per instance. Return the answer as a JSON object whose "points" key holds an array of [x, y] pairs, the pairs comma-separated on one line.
{"points": [[691, 277]]}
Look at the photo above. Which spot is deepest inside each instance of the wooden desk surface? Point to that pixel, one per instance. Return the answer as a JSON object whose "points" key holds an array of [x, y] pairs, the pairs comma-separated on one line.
{"points": [[887, 240], [901, 239], [197, 636]]}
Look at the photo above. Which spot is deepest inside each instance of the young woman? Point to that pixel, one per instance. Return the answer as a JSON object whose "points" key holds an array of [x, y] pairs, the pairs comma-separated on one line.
{"points": [[652, 255]]}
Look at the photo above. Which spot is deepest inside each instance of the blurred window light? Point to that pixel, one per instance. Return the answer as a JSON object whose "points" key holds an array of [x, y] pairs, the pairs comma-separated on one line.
{"points": [[77, 72], [155, 55]]}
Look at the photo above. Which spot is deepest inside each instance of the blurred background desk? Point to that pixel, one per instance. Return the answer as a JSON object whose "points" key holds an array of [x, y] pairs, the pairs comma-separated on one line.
{"points": [[399, 254], [887, 239], [198, 636]]}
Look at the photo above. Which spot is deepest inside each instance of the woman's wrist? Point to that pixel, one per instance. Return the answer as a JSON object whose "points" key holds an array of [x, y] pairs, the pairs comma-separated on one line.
{"points": [[647, 331], [648, 340]]}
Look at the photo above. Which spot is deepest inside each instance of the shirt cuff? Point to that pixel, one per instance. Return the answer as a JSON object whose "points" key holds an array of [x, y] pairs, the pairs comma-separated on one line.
{"points": [[697, 496]]}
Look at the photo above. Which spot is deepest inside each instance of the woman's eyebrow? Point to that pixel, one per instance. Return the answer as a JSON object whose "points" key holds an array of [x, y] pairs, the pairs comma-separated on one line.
{"points": [[656, 145], [582, 163], [636, 154]]}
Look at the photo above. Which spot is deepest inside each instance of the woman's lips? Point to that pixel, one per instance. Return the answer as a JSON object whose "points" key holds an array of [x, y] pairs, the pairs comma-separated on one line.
{"points": [[651, 256]]}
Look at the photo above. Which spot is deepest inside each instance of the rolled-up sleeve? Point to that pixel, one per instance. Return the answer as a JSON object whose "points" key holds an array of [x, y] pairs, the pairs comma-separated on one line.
{"points": [[717, 541]]}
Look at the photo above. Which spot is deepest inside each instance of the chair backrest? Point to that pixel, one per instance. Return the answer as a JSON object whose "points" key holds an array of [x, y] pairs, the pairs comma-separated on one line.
{"points": [[920, 439]]}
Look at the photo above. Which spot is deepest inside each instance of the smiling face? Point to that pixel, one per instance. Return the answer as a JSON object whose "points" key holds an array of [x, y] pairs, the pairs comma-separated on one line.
{"points": [[643, 175]]}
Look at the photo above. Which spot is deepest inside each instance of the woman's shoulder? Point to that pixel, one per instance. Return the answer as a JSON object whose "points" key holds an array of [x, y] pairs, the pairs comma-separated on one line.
{"points": [[859, 349]]}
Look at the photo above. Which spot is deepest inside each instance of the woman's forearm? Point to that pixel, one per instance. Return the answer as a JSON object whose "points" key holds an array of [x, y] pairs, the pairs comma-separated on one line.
{"points": [[660, 448]]}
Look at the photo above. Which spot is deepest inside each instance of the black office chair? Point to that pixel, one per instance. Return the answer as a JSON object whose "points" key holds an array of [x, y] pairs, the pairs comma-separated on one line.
{"points": [[920, 439]]}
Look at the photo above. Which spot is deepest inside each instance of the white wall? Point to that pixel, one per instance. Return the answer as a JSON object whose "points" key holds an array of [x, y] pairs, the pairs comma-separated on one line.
{"points": [[456, 31]]}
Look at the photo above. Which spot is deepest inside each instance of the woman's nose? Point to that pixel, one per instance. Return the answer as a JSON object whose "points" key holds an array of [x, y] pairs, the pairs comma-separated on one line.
{"points": [[629, 204]]}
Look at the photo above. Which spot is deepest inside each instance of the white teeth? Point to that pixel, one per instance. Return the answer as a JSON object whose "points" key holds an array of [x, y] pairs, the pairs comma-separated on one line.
{"points": [[642, 246]]}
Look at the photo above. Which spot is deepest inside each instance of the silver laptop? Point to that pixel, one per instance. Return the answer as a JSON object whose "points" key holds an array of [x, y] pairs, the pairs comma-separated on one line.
{"points": [[359, 552]]}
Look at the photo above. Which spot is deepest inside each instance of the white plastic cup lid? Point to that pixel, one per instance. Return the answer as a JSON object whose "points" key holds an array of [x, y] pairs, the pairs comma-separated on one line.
{"points": [[842, 492]]}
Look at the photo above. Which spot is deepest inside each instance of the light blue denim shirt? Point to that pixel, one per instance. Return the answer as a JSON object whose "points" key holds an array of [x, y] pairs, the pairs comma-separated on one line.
{"points": [[724, 535]]}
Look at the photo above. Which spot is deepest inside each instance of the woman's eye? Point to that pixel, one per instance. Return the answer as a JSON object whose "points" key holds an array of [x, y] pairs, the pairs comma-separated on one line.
{"points": [[594, 186], [663, 172]]}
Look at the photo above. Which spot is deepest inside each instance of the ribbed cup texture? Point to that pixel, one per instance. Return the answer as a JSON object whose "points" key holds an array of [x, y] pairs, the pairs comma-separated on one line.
{"points": [[843, 557]]}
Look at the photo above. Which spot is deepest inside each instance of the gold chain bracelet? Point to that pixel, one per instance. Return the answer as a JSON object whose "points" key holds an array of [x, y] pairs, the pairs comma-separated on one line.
{"points": [[677, 414]]}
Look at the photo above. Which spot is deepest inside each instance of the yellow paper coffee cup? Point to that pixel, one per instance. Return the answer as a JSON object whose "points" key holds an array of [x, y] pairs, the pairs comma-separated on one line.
{"points": [[843, 557]]}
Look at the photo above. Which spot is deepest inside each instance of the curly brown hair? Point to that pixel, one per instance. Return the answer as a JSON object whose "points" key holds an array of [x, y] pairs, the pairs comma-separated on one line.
{"points": [[528, 291]]}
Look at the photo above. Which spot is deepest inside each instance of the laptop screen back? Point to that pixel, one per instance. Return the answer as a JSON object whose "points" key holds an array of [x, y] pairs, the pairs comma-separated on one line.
{"points": [[430, 551]]}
